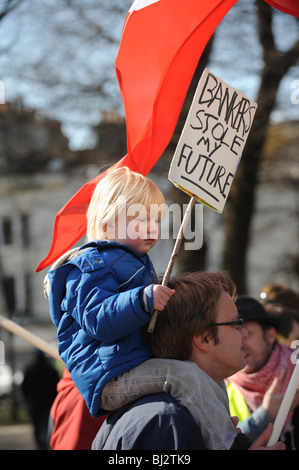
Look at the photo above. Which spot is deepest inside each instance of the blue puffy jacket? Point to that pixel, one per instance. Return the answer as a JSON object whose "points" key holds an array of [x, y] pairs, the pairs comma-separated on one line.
{"points": [[98, 301]]}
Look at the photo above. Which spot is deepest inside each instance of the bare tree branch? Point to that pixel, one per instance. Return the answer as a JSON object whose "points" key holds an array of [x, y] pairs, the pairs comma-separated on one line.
{"points": [[9, 6]]}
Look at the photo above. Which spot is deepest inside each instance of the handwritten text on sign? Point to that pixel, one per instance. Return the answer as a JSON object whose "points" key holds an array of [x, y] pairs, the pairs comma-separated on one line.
{"points": [[211, 143]]}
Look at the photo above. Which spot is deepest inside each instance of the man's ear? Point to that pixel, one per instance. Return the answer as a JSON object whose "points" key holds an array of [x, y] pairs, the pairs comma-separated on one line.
{"points": [[271, 335], [202, 342], [109, 229]]}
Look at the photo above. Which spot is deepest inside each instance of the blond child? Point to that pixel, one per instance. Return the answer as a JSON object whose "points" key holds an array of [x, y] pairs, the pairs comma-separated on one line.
{"points": [[101, 294]]}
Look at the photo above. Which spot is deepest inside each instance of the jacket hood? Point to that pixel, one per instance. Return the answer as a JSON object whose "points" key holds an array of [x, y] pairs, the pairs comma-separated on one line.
{"points": [[65, 258]]}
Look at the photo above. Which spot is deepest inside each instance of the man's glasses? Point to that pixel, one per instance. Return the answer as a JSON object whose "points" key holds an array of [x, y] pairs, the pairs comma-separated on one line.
{"points": [[237, 323]]}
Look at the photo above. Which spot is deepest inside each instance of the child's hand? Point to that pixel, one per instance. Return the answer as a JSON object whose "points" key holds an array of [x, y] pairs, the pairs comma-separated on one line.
{"points": [[161, 296]]}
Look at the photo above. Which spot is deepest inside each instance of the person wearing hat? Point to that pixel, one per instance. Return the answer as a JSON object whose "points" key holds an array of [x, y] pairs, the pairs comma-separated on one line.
{"points": [[256, 392]]}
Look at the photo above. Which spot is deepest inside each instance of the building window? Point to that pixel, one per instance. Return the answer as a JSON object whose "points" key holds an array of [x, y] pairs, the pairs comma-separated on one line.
{"points": [[15, 230], [24, 219], [26, 302], [17, 294], [8, 289], [7, 231]]}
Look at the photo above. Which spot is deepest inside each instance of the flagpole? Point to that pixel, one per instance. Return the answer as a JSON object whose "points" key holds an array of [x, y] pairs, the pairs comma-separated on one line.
{"points": [[30, 337], [174, 255], [285, 406]]}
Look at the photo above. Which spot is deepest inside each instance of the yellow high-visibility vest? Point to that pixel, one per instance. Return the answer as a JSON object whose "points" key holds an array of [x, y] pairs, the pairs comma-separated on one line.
{"points": [[237, 403]]}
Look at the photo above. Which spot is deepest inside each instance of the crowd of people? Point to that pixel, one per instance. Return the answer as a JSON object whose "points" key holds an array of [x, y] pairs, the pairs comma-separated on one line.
{"points": [[212, 374]]}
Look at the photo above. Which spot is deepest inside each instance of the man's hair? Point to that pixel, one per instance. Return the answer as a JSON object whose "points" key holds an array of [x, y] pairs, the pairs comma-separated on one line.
{"points": [[117, 191], [284, 317], [189, 312], [280, 293]]}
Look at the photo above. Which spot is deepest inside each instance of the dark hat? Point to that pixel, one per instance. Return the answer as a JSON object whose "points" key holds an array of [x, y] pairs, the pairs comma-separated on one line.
{"points": [[251, 309]]}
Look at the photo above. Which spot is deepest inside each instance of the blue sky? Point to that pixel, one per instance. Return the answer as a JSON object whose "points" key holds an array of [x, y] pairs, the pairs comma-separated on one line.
{"points": [[56, 62]]}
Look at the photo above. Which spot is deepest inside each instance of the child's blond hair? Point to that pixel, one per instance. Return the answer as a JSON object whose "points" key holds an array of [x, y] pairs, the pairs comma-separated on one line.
{"points": [[115, 192]]}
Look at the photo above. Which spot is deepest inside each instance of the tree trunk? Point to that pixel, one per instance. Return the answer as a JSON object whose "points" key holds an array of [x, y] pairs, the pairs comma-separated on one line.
{"points": [[241, 203]]}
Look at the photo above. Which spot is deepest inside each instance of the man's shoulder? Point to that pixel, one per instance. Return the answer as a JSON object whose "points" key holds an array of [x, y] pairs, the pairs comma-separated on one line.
{"points": [[154, 422]]}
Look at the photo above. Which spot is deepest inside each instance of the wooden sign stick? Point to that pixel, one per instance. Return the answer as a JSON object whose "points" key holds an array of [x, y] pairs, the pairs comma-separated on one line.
{"points": [[30, 337], [174, 255]]}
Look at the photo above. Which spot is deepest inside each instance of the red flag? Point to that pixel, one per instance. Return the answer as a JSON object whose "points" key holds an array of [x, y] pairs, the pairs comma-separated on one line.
{"points": [[70, 221], [161, 45], [287, 6]]}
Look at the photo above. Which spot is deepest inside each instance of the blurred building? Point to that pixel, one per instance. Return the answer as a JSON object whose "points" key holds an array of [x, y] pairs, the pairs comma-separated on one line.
{"points": [[39, 173]]}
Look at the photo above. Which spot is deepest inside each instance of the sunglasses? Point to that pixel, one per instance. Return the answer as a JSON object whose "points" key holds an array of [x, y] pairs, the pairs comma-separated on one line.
{"points": [[237, 323]]}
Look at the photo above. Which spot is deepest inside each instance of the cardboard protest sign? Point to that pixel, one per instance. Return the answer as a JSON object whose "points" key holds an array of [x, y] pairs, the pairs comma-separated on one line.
{"points": [[212, 141]]}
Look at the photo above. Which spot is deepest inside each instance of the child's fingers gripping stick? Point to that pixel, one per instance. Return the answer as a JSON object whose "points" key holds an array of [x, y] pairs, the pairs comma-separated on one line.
{"points": [[161, 295]]}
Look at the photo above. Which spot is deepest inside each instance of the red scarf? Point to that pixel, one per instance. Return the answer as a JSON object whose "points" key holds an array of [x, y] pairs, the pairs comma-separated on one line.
{"points": [[254, 386]]}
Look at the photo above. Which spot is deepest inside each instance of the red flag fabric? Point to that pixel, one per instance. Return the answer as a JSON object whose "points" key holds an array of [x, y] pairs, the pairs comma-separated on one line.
{"points": [[287, 6], [70, 221], [161, 44]]}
